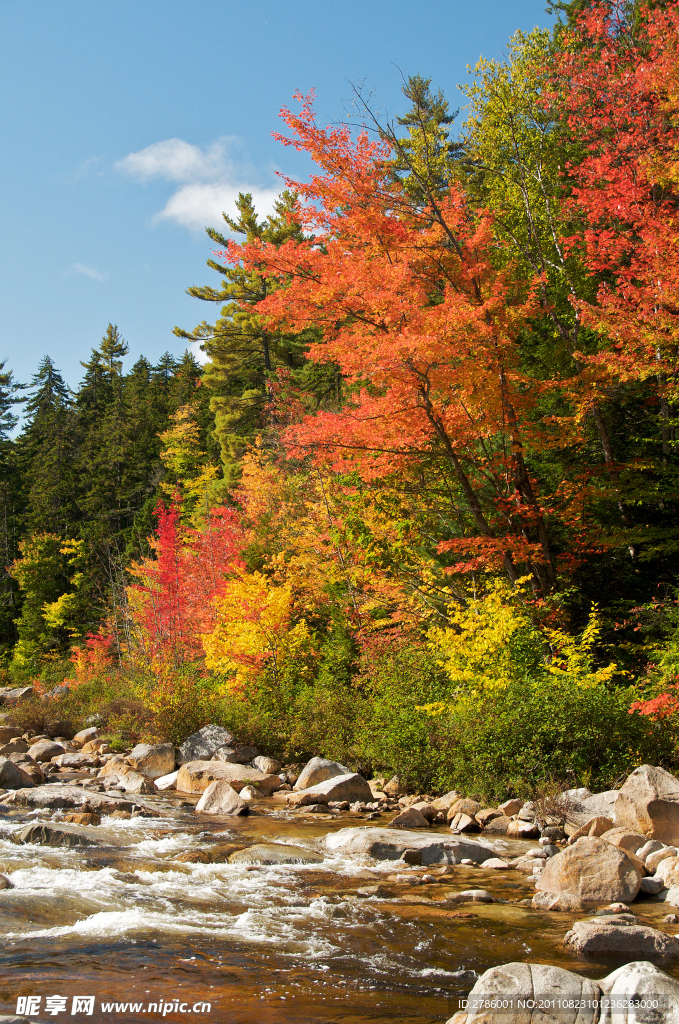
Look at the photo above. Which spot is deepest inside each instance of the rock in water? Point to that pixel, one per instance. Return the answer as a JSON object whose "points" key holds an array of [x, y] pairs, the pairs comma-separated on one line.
{"points": [[410, 818], [351, 787], [135, 782], [275, 853], [557, 901], [5, 883], [45, 750], [152, 760], [636, 983], [318, 769], [413, 847], [167, 781], [506, 987], [620, 933], [12, 776], [201, 745], [196, 776], [221, 798], [512, 994], [593, 870], [649, 803], [47, 834]]}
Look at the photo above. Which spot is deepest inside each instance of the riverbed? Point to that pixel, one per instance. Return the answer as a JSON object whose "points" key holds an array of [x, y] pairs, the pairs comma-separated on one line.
{"points": [[130, 923]]}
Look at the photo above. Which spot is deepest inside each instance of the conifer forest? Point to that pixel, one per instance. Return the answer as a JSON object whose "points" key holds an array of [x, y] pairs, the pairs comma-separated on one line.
{"points": [[418, 510]]}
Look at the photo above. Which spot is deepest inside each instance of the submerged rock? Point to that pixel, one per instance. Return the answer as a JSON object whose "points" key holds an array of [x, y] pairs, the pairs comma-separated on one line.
{"points": [[275, 853], [319, 769], [558, 901], [413, 847], [620, 933]]}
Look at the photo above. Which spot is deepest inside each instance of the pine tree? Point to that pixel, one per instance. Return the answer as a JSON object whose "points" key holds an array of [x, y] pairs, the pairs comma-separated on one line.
{"points": [[243, 352]]}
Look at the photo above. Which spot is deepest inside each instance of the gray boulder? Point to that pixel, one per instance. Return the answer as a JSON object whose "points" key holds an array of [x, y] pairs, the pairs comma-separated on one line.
{"points": [[221, 798], [236, 755], [275, 853], [351, 787], [47, 834], [512, 984], [56, 797], [45, 750], [152, 760], [620, 934], [12, 776], [637, 982], [319, 769], [201, 745], [413, 847]]}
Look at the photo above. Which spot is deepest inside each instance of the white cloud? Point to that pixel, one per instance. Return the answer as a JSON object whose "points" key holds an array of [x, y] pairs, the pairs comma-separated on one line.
{"points": [[208, 180], [81, 268]]}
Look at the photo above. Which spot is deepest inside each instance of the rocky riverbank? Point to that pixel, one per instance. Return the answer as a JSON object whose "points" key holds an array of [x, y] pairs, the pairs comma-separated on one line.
{"points": [[608, 862]]}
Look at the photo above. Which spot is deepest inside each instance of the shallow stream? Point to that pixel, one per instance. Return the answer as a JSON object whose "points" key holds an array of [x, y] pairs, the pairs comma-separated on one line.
{"points": [[294, 944]]}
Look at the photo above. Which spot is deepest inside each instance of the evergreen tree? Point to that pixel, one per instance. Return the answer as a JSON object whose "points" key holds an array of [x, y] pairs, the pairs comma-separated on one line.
{"points": [[243, 353]]}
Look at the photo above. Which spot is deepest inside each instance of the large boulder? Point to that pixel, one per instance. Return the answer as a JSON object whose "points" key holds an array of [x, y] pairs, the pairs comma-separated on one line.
{"points": [[135, 782], [632, 987], [594, 827], [12, 776], [319, 769], [351, 787], [413, 847], [410, 818], [649, 803], [31, 767], [498, 826], [619, 934], [16, 746], [8, 732], [202, 745], [45, 750], [517, 993], [76, 761], [592, 870], [221, 798], [196, 776], [498, 995], [152, 760], [275, 853], [625, 838]]}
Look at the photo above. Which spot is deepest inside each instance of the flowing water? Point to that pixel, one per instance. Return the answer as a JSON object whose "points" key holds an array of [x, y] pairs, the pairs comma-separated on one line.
{"points": [[131, 924]]}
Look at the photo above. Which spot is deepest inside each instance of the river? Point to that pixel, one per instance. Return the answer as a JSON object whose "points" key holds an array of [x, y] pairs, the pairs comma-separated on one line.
{"points": [[295, 944]]}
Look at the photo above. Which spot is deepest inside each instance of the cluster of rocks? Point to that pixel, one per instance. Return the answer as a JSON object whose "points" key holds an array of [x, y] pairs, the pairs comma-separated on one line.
{"points": [[519, 992]]}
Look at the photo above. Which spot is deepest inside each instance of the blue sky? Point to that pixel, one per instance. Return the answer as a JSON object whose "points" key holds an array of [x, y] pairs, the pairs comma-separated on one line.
{"points": [[130, 124]]}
